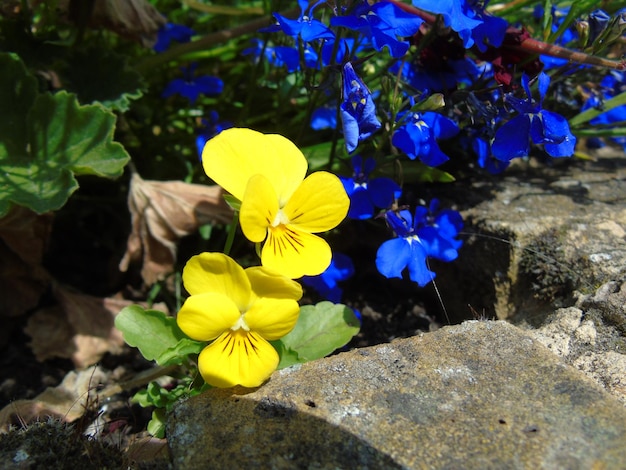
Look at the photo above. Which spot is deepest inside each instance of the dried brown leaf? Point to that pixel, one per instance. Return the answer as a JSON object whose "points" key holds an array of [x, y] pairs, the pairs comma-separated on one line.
{"points": [[67, 401], [162, 213], [80, 328], [134, 19], [23, 239], [137, 20], [147, 450]]}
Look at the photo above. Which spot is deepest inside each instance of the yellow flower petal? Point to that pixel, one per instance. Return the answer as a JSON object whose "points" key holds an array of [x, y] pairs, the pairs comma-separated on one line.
{"points": [[266, 283], [237, 358], [258, 208], [294, 253], [234, 155], [319, 204], [218, 273], [272, 318], [204, 317]]}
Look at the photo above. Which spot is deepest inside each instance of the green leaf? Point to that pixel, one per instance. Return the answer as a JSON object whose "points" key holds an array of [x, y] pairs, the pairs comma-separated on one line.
{"points": [[142, 398], [320, 330], [591, 113], [156, 426], [417, 172], [233, 202], [151, 331], [287, 356], [46, 139], [179, 352], [100, 75]]}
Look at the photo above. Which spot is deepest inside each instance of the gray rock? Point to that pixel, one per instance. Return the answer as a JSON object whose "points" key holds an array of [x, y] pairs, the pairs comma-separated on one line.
{"points": [[590, 336], [476, 395], [534, 236]]}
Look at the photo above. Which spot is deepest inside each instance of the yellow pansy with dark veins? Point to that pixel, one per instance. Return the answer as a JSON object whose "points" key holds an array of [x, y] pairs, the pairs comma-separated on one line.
{"points": [[240, 311], [266, 172]]}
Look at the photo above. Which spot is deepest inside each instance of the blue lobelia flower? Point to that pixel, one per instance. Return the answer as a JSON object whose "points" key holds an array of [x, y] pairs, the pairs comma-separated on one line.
{"points": [[191, 86], [282, 56], [210, 128], [418, 137], [366, 194], [382, 23], [358, 112], [172, 32], [533, 123], [340, 269], [430, 234], [611, 85], [305, 27], [486, 159], [469, 20], [324, 117]]}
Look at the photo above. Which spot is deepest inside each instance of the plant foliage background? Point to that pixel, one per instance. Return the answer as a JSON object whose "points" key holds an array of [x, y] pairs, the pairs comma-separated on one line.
{"points": [[106, 107]]}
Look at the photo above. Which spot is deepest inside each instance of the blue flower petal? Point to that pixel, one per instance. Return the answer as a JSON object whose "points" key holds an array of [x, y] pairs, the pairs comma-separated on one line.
{"points": [[324, 118], [393, 256], [442, 127], [437, 246], [402, 24], [358, 111], [361, 206], [383, 191], [512, 139], [350, 129], [558, 140], [418, 269], [340, 269]]}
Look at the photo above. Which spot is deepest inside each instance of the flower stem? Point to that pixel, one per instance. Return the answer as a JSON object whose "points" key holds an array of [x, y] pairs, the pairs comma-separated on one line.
{"points": [[232, 228], [531, 45], [208, 41]]}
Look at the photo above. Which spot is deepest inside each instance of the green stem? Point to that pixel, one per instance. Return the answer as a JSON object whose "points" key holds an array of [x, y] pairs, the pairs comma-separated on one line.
{"points": [[208, 41], [232, 228], [591, 113]]}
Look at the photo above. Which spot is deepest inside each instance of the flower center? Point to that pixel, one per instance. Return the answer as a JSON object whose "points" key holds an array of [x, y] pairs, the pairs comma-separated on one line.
{"points": [[280, 219], [412, 238], [240, 324]]}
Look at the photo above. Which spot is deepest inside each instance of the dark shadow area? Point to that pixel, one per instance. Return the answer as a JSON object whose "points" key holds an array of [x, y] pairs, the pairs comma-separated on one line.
{"points": [[284, 437]]}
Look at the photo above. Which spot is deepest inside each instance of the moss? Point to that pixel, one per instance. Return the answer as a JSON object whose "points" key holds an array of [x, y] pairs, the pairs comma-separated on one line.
{"points": [[56, 445], [549, 278]]}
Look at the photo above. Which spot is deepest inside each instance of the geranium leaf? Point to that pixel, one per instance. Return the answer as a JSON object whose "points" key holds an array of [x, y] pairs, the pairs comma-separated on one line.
{"points": [[320, 330], [151, 331], [101, 75], [46, 139]]}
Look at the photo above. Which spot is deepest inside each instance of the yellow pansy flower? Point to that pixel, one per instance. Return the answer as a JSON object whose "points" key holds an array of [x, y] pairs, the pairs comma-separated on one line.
{"points": [[240, 310], [266, 172]]}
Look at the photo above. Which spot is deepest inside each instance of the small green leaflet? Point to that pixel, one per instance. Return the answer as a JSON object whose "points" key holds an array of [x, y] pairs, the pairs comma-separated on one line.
{"points": [[156, 335], [320, 330]]}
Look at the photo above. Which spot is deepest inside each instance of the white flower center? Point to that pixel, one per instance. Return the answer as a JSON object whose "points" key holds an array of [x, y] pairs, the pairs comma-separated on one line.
{"points": [[240, 323], [411, 238], [280, 219]]}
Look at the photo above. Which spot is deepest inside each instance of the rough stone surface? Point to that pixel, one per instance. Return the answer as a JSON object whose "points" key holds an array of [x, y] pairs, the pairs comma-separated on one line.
{"points": [[536, 235], [476, 395], [590, 336]]}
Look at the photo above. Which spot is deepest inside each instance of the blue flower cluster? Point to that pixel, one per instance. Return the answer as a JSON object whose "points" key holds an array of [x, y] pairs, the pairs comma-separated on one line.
{"points": [[430, 233], [366, 194], [478, 91], [532, 123], [327, 284]]}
